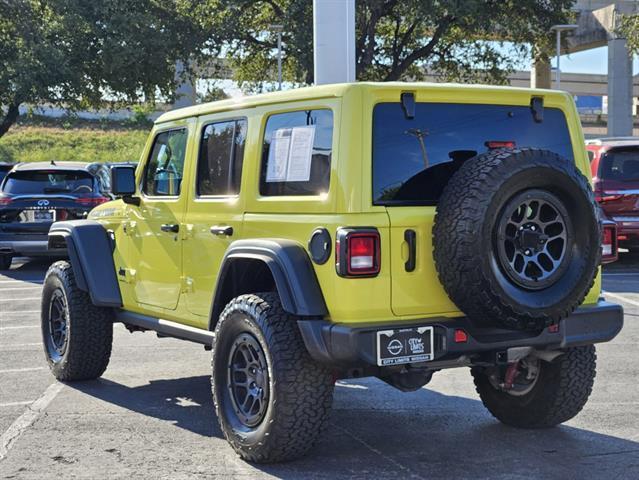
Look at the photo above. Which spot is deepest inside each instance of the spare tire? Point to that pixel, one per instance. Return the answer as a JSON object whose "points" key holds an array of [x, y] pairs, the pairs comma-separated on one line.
{"points": [[517, 238]]}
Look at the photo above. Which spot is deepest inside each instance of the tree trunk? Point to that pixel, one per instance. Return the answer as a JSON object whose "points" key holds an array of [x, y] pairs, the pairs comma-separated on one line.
{"points": [[10, 118]]}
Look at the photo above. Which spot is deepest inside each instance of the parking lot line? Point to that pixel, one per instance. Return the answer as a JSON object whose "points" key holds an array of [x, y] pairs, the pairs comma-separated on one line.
{"points": [[622, 298], [18, 289], [15, 404], [24, 311], [19, 299], [19, 370], [27, 419], [18, 346], [17, 327]]}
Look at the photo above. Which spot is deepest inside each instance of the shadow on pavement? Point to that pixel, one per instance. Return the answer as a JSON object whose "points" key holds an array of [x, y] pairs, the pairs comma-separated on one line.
{"points": [[30, 270], [378, 432]]}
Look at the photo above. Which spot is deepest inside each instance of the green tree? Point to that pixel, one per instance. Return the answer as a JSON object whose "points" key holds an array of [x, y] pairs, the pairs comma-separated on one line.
{"points": [[395, 39], [74, 53], [629, 28]]}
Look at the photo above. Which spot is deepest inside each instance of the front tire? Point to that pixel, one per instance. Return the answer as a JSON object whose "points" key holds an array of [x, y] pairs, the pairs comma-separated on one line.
{"points": [[557, 395], [271, 399], [77, 335], [5, 261]]}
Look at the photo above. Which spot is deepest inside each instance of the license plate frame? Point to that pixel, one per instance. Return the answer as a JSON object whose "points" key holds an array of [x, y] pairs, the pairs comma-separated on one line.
{"points": [[36, 215], [405, 345]]}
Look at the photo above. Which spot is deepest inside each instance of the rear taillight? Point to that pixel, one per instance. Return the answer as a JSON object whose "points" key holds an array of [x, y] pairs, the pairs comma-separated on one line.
{"points": [[91, 201], [494, 144], [605, 197], [609, 251], [5, 200], [357, 252]]}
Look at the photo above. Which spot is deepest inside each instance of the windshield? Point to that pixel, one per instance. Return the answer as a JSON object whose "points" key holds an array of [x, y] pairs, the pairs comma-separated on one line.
{"points": [[414, 158], [43, 182], [620, 165]]}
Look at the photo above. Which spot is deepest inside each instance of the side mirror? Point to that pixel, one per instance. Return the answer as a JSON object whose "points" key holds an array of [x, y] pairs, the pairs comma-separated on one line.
{"points": [[123, 183]]}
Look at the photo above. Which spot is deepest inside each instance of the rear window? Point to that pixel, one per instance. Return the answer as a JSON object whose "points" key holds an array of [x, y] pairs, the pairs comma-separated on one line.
{"points": [[43, 182], [413, 159], [620, 165]]}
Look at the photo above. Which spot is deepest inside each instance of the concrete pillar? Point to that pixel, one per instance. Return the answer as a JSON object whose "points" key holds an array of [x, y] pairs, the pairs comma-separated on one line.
{"points": [[334, 41], [185, 95], [540, 72], [619, 88]]}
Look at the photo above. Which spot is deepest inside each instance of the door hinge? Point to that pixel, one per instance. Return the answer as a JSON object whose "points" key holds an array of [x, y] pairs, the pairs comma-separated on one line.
{"points": [[126, 275], [187, 285], [187, 231]]}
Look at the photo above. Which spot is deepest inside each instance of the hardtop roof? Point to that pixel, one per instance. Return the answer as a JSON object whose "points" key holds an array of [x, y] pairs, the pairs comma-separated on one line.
{"points": [[327, 91]]}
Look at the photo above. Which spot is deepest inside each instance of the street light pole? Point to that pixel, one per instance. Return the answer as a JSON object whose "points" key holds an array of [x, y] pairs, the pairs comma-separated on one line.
{"points": [[558, 29], [278, 29]]}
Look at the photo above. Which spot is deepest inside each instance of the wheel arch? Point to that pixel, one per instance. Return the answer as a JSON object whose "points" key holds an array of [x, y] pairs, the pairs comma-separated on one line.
{"points": [[90, 252], [279, 265]]}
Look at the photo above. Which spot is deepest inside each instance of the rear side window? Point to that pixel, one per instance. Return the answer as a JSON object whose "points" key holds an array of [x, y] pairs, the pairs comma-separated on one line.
{"points": [[413, 159], [620, 165], [296, 154], [43, 182], [165, 168], [219, 167]]}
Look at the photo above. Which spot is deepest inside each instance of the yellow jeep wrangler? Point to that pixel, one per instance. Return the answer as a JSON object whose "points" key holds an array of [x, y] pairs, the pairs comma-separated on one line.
{"points": [[372, 229]]}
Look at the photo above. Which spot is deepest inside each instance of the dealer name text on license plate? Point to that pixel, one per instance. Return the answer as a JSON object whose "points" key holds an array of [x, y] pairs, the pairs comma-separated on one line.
{"points": [[405, 345]]}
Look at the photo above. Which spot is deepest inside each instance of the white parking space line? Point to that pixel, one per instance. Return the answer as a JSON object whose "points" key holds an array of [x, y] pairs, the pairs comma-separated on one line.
{"points": [[20, 370], [20, 289], [20, 312], [27, 419], [15, 404], [19, 299], [18, 327], [621, 298], [18, 346]]}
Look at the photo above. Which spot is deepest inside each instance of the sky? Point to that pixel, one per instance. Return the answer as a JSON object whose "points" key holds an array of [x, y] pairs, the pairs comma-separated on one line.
{"points": [[590, 61]]}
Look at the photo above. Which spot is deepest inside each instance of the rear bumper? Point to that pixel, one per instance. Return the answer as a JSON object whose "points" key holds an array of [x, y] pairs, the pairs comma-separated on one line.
{"points": [[36, 245], [355, 345]]}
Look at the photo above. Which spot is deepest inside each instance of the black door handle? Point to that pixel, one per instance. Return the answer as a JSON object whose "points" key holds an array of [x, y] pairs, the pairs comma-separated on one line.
{"points": [[224, 230], [170, 227], [411, 238]]}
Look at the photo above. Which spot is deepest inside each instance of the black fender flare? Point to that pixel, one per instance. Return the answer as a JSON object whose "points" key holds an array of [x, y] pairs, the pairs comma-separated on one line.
{"points": [[292, 271], [90, 251]]}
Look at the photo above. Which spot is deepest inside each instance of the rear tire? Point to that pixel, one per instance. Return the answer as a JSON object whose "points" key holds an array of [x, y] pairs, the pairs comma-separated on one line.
{"points": [[5, 261], [271, 399], [77, 335], [560, 392]]}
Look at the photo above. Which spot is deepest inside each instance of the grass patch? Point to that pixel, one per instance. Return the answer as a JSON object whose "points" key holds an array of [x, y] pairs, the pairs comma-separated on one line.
{"points": [[86, 143]]}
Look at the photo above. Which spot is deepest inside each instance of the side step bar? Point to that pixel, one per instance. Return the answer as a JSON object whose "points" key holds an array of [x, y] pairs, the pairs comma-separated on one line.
{"points": [[166, 327]]}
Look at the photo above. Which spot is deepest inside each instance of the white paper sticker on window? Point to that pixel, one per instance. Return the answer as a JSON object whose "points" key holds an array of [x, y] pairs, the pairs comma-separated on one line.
{"points": [[290, 155], [301, 154], [276, 167]]}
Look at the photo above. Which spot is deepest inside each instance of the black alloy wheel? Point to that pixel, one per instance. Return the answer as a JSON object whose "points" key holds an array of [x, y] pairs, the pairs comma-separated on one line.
{"points": [[533, 236], [248, 380]]}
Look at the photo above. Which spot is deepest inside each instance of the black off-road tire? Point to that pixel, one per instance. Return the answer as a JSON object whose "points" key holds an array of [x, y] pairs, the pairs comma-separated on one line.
{"points": [[5, 261], [561, 391], [465, 238], [300, 389], [89, 329]]}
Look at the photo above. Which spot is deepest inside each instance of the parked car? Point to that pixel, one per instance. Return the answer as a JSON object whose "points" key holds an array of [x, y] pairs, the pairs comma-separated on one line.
{"points": [[372, 229], [614, 163], [4, 169], [34, 195]]}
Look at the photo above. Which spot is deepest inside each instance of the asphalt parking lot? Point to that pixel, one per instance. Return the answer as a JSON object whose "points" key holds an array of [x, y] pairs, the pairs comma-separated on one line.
{"points": [[151, 415]]}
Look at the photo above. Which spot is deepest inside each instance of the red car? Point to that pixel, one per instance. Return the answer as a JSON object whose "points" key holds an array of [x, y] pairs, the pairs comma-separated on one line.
{"points": [[615, 170]]}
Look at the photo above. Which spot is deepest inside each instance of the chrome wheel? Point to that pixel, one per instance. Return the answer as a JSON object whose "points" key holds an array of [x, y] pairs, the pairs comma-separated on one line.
{"points": [[534, 236], [248, 380]]}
